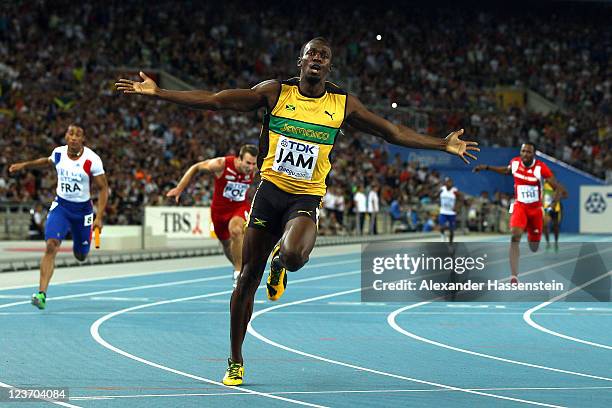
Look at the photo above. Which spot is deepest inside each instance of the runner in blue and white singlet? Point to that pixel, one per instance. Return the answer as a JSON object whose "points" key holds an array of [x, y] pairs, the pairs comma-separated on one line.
{"points": [[77, 168], [448, 199]]}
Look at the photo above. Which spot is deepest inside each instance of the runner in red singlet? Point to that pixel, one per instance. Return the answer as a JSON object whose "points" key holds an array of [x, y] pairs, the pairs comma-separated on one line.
{"points": [[527, 212], [230, 206]]}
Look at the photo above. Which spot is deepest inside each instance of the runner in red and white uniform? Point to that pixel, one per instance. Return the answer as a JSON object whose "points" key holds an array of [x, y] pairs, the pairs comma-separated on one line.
{"points": [[527, 213], [230, 206]]}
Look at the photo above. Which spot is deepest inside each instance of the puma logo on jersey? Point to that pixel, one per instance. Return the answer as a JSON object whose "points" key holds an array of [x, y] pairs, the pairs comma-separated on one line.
{"points": [[259, 222], [331, 115]]}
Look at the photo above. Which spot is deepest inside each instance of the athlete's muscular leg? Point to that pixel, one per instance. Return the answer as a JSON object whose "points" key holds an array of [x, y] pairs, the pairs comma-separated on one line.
{"points": [[236, 229], [515, 250], [227, 250], [534, 229], [47, 264], [547, 219], [297, 242], [256, 248], [555, 223]]}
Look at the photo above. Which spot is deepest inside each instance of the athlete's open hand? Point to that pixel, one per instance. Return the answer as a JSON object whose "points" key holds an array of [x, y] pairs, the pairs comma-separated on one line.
{"points": [[176, 193], [16, 167], [146, 87], [461, 148]]}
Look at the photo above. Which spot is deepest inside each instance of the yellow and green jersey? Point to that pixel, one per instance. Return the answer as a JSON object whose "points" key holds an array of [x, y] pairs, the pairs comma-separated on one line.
{"points": [[548, 193], [297, 138]]}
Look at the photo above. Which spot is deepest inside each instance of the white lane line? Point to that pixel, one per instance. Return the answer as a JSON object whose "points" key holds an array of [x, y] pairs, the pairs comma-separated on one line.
{"points": [[131, 288], [95, 333], [226, 312], [160, 285], [391, 320], [527, 315], [191, 269], [330, 392], [259, 336], [591, 309], [63, 404], [165, 284], [120, 299], [127, 275]]}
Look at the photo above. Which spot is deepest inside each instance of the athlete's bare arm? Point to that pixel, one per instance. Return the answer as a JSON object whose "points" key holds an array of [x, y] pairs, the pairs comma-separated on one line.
{"points": [[102, 186], [263, 94], [215, 166], [505, 170], [358, 116], [459, 198], [32, 164], [560, 191]]}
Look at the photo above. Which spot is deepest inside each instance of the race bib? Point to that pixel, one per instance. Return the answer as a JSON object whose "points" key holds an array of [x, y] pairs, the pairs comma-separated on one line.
{"points": [[295, 158], [235, 191], [527, 194], [88, 220]]}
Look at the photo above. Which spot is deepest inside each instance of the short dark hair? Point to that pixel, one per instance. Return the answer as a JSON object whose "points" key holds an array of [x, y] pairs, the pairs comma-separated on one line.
{"points": [[531, 144], [250, 149], [76, 124], [320, 39]]}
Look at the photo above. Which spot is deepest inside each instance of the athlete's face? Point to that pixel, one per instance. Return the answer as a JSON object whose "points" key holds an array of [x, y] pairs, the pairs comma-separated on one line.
{"points": [[527, 154], [448, 183], [247, 163], [315, 62], [75, 138]]}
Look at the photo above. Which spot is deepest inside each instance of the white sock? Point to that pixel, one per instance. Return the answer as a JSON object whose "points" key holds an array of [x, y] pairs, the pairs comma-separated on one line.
{"points": [[236, 274]]}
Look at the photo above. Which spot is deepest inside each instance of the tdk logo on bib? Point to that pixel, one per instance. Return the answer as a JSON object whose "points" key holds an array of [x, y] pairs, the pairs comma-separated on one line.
{"points": [[296, 159]]}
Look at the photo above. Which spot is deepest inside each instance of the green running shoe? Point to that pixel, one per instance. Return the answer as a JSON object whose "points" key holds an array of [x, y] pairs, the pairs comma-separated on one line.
{"points": [[39, 300]]}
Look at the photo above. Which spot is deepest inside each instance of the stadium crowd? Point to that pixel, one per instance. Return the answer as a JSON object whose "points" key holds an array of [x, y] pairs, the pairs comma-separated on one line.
{"points": [[58, 63]]}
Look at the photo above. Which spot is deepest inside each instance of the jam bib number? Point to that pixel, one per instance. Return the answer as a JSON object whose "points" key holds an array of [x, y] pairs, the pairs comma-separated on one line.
{"points": [[295, 158]]}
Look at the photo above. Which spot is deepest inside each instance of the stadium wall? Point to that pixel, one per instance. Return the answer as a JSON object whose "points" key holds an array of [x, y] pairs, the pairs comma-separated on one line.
{"points": [[476, 183]]}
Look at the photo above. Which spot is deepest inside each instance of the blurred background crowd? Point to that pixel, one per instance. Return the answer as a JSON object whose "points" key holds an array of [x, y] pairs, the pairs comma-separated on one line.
{"points": [[443, 65]]}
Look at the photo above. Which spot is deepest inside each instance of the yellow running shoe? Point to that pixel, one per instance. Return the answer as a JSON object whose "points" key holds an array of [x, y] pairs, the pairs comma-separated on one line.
{"points": [[234, 373], [277, 278]]}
